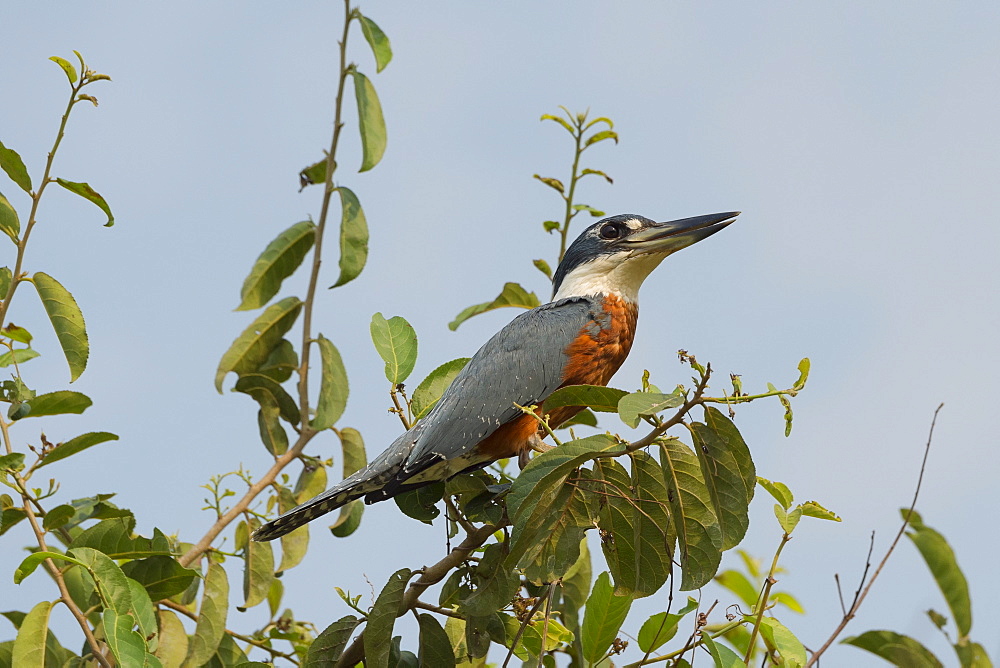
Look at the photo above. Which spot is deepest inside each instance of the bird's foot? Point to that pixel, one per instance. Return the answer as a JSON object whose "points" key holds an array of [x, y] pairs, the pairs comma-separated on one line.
{"points": [[535, 444]]}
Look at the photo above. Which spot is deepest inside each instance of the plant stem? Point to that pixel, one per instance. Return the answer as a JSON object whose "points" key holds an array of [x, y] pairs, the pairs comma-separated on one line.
{"points": [[328, 189], [36, 198], [764, 595], [859, 598], [573, 178]]}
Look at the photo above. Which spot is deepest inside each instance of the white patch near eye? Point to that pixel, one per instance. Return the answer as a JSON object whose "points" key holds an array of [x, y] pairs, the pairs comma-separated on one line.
{"points": [[633, 224], [609, 275]]}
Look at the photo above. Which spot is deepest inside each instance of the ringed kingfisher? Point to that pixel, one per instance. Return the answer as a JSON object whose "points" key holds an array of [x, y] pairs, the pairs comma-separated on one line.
{"points": [[581, 337]]}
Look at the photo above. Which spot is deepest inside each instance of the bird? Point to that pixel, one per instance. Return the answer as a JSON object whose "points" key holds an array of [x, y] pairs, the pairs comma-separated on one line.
{"points": [[581, 337]]}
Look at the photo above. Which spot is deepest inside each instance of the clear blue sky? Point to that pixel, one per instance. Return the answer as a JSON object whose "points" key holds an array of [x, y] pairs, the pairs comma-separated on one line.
{"points": [[860, 142]]}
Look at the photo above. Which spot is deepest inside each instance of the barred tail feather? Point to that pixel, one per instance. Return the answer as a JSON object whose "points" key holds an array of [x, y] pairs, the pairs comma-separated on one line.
{"points": [[327, 501]]}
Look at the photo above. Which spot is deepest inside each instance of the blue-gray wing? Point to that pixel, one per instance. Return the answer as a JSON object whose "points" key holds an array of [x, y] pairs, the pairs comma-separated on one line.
{"points": [[522, 364]]}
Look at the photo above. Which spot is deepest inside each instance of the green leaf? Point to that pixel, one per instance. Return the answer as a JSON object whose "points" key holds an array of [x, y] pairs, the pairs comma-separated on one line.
{"points": [[561, 121], [494, 584], [639, 539], [272, 434], [632, 407], [111, 581], [530, 645], [314, 173], [16, 333], [396, 343], [161, 575], [278, 261], [602, 618], [972, 655], [18, 356], [353, 451], [330, 644], [433, 386], [254, 345], [29, 645], [555, 184], [600, 136], [511, 295], [722, 655], [558, 523], [228, 653], [211, 625], [803, 374], [349, 519], [551, 226], [281, 362], [295, 543], [12, 462], [76, 444], [728, 472], [370, 121], [382, 618], [67, 320], [312, 480], [598, 173], [128, 647], [548, 470], [86, 192], [813, 509], [662, 626], [5, 278], [58, 517], [738, 583], [31, 562], [266, 391], [61, 402], [353, 237], [597, 397], [899, 650], [940, 559], [435, 648], [698, 534], [599, 119], [420, 503], [589, 209], [778, 636], [789, 601], [377, 41], [66, 66], [778, 490], [142, 610], [173, 640], [585, 417], [11, 163], [113, 537], [10, 224], [333, 387], [258, 571], [543, 266]]}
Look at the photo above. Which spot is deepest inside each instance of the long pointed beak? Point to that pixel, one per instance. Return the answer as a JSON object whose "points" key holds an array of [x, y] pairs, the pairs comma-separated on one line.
{"points": [[672, 236]]}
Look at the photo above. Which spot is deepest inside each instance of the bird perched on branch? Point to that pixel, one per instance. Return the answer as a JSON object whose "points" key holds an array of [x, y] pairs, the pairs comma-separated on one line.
{"points": [[581, 337]]}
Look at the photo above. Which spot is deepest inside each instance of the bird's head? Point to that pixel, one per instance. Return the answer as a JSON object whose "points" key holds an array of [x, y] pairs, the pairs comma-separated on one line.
{"points": [[616, 254]]}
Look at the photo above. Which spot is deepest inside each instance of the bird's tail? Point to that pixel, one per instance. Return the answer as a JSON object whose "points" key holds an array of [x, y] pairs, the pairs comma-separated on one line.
{"points": [[329, 500], [371, 478]]}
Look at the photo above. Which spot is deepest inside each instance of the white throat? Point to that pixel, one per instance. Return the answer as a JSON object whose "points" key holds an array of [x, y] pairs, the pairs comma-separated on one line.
{"points": [[609, 275]]}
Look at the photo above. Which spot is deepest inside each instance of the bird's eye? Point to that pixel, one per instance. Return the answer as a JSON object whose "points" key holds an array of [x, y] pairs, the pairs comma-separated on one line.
{"points": [[610, 231]]}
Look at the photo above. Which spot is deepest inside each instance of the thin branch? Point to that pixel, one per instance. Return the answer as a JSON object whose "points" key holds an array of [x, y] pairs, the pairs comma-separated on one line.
{"points": [[65, 597], [438, 609], [524, 624], [859, 599], [429, 577], [238, 509], [545, 625], [177, 607], [765, 593]]}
